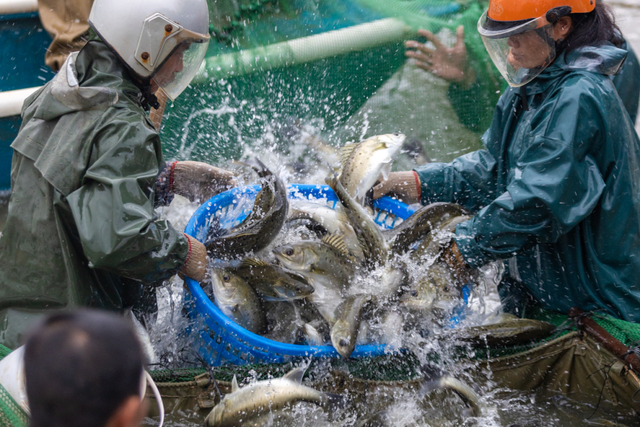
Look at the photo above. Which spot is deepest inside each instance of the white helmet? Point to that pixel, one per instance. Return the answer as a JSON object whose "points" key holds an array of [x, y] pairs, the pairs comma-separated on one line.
{"points": [[147, 33]]}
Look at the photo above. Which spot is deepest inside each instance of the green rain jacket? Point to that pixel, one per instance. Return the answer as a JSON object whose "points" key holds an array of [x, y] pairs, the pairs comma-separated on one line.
{"points": [[81, 228], [557, 187]]}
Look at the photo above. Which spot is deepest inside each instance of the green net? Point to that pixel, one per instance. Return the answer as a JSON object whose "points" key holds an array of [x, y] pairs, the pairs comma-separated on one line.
{"points": [[11, 415], [338, 64], [402, 366]]}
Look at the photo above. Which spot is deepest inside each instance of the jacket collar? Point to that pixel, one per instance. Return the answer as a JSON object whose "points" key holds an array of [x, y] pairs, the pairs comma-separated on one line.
{"points": [[606, 59]]}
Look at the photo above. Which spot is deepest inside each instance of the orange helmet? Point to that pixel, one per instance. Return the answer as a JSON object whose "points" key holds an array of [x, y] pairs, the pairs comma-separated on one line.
{"points": [[520, 10], [530, 14]]}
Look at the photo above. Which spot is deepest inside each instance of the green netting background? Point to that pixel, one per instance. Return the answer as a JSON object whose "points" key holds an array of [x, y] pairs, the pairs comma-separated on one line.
{"points": [[249, 90], [11, 415]]}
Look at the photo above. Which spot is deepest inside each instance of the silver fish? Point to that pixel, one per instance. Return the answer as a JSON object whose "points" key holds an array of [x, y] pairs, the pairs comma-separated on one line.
{"points": [[330, 221], [328, 258], [374, 246], [510, 332], [364, 162], [434, 380], [344, 332], [257, 399], [432, 245], [237, 300], [260, 227], [420, 223], [272, 282], [437, 293]]}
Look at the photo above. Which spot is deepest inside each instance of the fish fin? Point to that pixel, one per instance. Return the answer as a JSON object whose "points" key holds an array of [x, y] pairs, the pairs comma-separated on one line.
{"points": [[234, 385], [253, 262], [332, 181], [346, 151], [336, 400], [296, 374], [336, 241], [386, 169]]}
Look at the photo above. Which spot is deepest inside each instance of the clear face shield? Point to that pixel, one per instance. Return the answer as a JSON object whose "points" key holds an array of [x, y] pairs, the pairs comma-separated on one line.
{"points": [[519, 52], [182, 64]]}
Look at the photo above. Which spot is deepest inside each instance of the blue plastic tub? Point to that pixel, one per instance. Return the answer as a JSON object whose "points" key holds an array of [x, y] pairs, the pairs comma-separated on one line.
{"points": [[223, 340]]}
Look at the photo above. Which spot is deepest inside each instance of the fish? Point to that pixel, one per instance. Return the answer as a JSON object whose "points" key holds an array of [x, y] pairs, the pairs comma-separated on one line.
{"points": [[261, 226], [420, 223], [344, 333], [283, 322], [255, 400], [237, 300], [328, 257], [374, 246], [435, 379], [510, 332], [327, 221], [364, 162], [312, 335], [432, 245], [438, 292], [272, 282]]}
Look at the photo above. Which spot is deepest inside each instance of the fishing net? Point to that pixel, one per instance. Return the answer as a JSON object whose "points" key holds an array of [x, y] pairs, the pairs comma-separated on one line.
{"points": [[401, 366], [11, 415]]}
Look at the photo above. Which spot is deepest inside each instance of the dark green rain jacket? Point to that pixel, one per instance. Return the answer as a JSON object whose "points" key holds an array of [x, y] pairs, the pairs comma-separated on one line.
{"points": [[557, 188], [81, 228]]}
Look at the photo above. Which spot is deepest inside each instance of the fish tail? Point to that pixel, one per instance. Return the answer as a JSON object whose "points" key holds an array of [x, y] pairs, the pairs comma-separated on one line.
{"points": [[336, 401]]}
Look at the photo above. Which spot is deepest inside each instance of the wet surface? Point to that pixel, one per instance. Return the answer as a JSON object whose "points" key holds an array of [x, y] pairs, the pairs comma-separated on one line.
{"points": [[4, 205]]}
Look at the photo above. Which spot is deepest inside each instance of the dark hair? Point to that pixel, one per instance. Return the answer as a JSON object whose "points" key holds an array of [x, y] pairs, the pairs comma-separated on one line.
{"points": [[80, 367], [592, 29]]}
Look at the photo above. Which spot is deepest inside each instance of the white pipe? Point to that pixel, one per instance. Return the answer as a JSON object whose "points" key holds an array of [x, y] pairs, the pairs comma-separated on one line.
{"points": [[11, 101], [9, 7], [304, 49]]}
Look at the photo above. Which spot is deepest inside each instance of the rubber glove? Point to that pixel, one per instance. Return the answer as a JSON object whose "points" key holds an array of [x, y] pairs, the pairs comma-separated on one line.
{"points": [[195, 267], [404, 185]]}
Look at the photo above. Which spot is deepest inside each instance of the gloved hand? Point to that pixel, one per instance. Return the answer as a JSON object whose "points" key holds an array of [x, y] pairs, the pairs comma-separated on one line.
{"points": [[196, 181], [404, 185], [196, 265]]}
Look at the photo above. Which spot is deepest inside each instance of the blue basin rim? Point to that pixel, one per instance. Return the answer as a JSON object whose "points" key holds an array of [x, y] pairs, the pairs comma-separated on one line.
{"points": [[208, 309]]}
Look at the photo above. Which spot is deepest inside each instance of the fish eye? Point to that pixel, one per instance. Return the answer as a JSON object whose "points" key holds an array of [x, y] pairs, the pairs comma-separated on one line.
{"points": [[297, 288], [226, 278], [414, 293], [446, 289], [289, 252]]}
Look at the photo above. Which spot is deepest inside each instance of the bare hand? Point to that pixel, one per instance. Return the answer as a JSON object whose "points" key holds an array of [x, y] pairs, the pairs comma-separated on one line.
{"points": [[451, 64]]}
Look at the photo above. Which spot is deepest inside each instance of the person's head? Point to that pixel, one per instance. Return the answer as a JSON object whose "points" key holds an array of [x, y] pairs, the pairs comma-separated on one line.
{"points": [[84, 369], [524, 37], [162, 42]]}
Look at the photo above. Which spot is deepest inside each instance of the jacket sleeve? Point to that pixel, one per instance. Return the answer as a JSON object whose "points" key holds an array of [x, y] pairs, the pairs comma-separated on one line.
{"points": [[556, 183], [114, 208], [469, 180]]}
